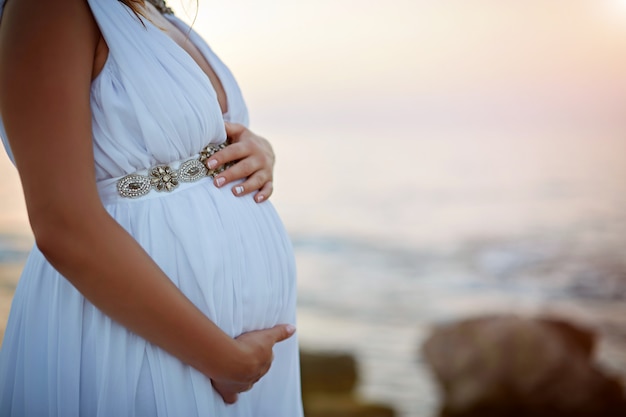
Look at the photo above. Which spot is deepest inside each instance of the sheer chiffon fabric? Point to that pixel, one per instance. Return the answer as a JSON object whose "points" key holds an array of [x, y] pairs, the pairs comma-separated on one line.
{"points": [[230, 256]]}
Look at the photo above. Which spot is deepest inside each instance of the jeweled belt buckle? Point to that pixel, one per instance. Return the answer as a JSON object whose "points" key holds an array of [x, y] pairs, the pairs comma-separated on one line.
{"points": [[165, 178]]}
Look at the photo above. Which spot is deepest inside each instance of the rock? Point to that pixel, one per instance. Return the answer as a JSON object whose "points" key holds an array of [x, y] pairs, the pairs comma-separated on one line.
{"points": [[511, 366], [343, 406], [328, 373], [328, 383]]}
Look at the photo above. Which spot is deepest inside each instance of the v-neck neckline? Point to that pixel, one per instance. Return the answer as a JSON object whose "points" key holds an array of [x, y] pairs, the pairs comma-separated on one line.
{"points": [[175, 21]]}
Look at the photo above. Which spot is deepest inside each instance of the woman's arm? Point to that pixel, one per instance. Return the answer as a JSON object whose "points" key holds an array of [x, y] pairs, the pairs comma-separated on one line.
{"points": [[46, 64]]}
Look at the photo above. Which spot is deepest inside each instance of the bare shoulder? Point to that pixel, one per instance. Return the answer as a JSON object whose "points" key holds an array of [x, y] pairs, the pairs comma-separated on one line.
{"points": [[47, 33], [39, 16]]}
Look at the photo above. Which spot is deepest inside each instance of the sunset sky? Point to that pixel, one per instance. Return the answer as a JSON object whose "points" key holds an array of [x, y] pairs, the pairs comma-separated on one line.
{"points": [[410, 68], [425, 61]]}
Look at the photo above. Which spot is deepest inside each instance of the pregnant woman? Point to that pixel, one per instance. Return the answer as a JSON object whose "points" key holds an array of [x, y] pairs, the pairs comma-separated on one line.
{"points": [[153, 289]]}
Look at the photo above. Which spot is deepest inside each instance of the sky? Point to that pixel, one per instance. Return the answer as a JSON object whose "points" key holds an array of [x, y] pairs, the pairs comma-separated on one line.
{"points": [[429, 62], [399, 68]]}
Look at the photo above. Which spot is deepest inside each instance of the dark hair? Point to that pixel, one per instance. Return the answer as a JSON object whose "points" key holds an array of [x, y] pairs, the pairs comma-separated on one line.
{"points": [[135, 5]]}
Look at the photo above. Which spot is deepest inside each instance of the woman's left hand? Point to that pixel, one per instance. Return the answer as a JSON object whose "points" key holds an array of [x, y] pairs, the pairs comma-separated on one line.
{"points": [[254, 158]]}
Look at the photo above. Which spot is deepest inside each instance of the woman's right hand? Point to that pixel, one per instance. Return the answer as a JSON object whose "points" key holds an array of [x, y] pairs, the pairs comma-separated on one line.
{"points": [[256, 352]]}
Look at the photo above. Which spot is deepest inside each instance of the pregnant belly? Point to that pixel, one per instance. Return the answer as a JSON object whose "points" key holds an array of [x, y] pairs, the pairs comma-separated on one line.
{"points": [[229, 255]]}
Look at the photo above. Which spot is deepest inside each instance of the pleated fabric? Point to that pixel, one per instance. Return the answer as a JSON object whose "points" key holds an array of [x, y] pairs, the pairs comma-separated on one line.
{"points": [[230, 256]]}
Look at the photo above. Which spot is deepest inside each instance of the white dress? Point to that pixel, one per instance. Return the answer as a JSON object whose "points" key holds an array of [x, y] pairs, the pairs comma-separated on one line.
{"points": [[230, 256]]}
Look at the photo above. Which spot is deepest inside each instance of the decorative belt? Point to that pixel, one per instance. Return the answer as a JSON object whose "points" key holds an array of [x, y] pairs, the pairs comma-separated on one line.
{"points": [[166, 178]]}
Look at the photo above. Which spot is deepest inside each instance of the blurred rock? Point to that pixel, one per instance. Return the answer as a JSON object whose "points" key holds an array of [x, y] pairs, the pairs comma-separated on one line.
{"points": [[343, 406], [511, 366], [328, 383], [328, 372]]}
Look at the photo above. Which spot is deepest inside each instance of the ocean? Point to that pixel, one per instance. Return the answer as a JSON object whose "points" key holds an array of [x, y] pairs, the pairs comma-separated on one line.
{"points": [[397, 229]]}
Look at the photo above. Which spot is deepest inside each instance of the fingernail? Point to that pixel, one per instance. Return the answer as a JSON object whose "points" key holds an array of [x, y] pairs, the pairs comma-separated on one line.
{"points": [[220, 181], [212, 163], [290, 329], [239, 189], [260, 199]]}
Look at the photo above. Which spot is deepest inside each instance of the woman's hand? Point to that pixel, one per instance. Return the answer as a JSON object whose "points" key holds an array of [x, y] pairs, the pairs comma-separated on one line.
{"points": [[256, 352], [254, 159]]}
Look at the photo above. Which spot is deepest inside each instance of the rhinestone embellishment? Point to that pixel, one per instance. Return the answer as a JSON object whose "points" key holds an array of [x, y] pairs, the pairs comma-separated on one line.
{"points": [[207, 152], [134, 186], [192, 170], [165, 178]]}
